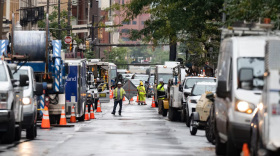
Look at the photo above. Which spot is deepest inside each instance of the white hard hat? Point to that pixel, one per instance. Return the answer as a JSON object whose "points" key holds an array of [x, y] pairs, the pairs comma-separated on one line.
{"points": [[161, 80], [119, 83]]}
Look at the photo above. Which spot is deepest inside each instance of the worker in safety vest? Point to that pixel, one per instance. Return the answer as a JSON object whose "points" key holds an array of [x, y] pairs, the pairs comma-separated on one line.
{"points": [[160, 94], [118, 96], [142, 94]]}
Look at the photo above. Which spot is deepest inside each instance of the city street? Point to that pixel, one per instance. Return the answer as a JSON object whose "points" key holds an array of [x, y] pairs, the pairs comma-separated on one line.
{"points": [[139, 131]]}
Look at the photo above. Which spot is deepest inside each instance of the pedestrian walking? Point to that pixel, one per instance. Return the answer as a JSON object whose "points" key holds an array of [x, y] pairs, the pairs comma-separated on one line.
{"points": [[142, 94], [118, 96]]}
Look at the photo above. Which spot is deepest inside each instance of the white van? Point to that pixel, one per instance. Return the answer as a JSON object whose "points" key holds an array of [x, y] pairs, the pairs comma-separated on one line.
{"points": [[237, 97]]}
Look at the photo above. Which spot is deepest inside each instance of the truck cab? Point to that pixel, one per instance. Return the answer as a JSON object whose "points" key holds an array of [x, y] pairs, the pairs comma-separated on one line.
{"points": [[11, 107]]}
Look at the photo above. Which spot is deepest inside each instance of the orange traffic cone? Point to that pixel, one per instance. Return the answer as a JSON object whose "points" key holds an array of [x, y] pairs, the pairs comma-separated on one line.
{"points": [[153, 102], [131, 99], [46, 120], [123, 99], [86, 114], [137, 100], [91, 113], [73, 116], [62, 117], [98, 107], [245, 150], [111, 96]]}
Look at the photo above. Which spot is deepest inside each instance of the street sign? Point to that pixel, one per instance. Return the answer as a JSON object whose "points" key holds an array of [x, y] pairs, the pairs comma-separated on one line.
{"points": [[109, 23], [68, 40], [130, 90]]}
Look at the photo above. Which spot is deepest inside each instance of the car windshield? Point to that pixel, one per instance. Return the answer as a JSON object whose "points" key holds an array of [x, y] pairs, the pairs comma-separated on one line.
{"points": [[20, 72], [257, 64], [201, 89], [152, 79], [113, 73], [191, 81], [3, 75], [135, 81], [141, 77], [165, 77]]}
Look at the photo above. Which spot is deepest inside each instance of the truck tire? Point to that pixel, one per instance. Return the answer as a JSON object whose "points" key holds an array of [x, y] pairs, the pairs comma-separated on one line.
{"points": [[9, 136], [18, 133], [193, 129], [208, 131], [164, 112], [52, 119], [187, 118], [232, 150], [31, 132], [172, 114]]}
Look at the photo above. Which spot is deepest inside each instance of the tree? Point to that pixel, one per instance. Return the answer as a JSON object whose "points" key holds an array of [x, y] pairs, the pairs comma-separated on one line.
{"points": [[89, 54], [53, 25]]}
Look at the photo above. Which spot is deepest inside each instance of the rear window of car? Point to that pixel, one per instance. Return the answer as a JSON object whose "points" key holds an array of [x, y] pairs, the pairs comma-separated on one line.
{"points": [[191, 81]]}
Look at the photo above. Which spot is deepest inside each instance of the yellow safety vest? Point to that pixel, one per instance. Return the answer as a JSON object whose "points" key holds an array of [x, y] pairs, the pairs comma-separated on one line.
{"points": [[161, 89], [116, 92], [141, 89]]}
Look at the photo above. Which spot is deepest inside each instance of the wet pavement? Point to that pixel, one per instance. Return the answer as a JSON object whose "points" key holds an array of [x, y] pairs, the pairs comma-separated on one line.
{"points": [[139, 131]]}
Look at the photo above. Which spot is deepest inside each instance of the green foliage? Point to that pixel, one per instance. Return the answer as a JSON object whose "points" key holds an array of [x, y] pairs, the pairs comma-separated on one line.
{"points": [[89, 54], [53, 25], [251, 10]]}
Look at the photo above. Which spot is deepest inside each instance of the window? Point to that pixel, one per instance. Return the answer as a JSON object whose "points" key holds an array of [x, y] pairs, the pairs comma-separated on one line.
{"points": [[125, 30], [126, 22], [122, 1], [3, 76], [142, 22], [125, 39], [134, 22]]}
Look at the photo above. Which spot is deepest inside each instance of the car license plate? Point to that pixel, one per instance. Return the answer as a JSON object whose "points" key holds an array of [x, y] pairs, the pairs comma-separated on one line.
{"points": [[102, 94]]}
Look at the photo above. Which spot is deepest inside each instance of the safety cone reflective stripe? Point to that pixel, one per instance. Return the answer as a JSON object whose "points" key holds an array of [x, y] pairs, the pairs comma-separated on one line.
{"points": [[62, 117], [153, 102], [46, 120], [98, 107], [73, 116], [91, 113], [86, 113]]}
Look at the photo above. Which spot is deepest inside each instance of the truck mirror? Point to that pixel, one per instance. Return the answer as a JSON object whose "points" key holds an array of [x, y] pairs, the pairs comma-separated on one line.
{"points": [[23, 80], [222, 89], [246, 76], [39, 89]]}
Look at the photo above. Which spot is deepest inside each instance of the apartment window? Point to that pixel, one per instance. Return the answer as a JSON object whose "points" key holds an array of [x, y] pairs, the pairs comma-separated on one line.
{"points": [[134, 22], [122, 1], [125, 39], [125, 30], [126, 22], [142, 22]]}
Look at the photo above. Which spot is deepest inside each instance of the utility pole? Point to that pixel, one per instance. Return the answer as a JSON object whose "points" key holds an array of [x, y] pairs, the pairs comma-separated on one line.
{"points": [[48, 3], [68, 23], [92, 32], [1, 17], [59, 27]]}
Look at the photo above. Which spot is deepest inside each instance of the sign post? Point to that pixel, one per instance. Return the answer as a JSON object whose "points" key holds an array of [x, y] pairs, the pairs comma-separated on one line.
{"points": [[68, 40]]}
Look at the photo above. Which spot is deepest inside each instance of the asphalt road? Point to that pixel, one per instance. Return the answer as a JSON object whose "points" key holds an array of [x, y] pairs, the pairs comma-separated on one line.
{"points": [[139, 131]]}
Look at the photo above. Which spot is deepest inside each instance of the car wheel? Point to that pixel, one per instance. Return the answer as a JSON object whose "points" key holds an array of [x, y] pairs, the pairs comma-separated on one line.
{"points": [[9, 136], [183, 115], [231, 148], [193, 128], [187, 117], [172, 114], [35, 129], [220, 148], [18, 133], [208, 132], [30, 132]]}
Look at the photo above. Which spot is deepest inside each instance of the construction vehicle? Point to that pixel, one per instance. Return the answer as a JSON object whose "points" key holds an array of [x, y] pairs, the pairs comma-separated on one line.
{"points": [[76, 88], [47, 60], [105, 74], [166, 73]]}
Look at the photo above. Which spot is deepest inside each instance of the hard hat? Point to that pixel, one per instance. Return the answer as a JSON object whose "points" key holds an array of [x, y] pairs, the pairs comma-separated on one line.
{"points": [[119, 83], [141, 83], [161, 80]]}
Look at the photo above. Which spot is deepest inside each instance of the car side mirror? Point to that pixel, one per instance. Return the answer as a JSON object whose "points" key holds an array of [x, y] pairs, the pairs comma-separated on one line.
{"points": [[39, 89], [245, 76], [222, 89], [23, 80], [180, 87]]}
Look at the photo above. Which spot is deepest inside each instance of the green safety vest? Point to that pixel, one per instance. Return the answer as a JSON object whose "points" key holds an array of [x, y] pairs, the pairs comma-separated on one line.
{"points": [[116, 92], [141, 89]]}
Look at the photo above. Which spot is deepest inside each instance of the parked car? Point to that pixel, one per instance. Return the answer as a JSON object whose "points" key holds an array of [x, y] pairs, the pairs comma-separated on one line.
{"points": [[237, 97], [31, 94], [197, 90]]}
